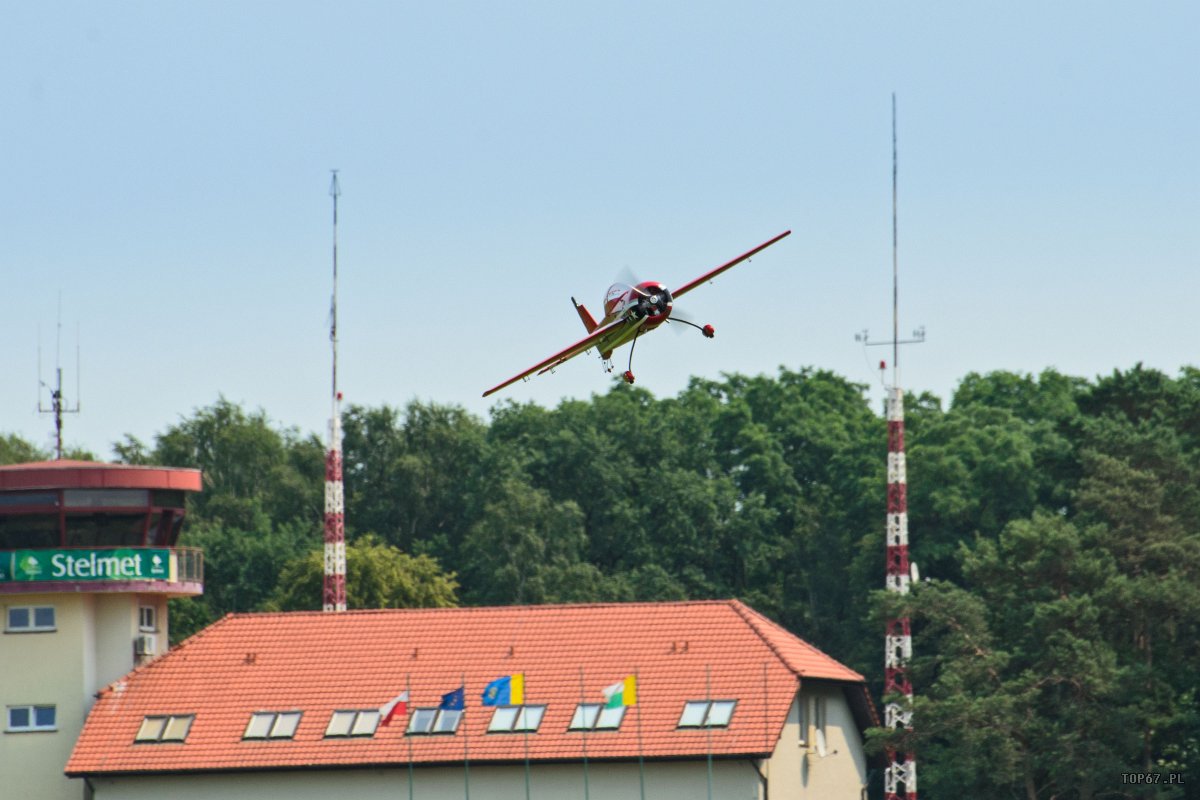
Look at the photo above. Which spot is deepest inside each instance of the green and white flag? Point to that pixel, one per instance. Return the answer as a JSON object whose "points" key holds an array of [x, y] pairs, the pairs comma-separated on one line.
{"points": [[621, 693]]}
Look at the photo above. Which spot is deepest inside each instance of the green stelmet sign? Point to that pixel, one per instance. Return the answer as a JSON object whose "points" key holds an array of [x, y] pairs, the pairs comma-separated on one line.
{"points": [[85, 565]]}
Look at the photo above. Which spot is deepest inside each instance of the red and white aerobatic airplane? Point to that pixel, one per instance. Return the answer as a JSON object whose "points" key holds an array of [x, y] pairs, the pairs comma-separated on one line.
{"points": [[630, 312]]}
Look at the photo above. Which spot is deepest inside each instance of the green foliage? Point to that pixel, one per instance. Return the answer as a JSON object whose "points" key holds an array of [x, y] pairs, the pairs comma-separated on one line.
{"points": [[377, 576], [1064, 651], [16, 450], [1059, 519]]}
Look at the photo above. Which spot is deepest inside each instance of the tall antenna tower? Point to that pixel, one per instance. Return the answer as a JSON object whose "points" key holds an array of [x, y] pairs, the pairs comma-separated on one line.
{"points": [[334, 591], [900, 777], [58, 401]]}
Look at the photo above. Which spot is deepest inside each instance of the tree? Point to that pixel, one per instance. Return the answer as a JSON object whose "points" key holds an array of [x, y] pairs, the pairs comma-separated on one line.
{"points": [[409, 478], [261, 504], [377, 576], [16, 450]]}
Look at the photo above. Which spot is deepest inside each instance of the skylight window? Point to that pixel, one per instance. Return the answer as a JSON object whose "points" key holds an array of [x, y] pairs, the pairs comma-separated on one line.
{"points": [[172, 728], [426, 721], [272, 725], [707, 713], [22, 719], [352, 723], [516, 719], [595, 717]]}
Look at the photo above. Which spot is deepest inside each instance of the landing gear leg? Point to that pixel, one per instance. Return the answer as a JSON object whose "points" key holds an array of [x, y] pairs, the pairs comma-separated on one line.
{"points": [[628, 376]]}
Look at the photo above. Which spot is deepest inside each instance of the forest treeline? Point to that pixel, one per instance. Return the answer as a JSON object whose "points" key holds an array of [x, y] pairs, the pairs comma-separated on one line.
{"points": [[1055, 521]]}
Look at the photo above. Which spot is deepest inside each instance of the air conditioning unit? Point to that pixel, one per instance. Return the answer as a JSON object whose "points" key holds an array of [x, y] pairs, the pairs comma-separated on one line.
{"points": [[145, 645]]}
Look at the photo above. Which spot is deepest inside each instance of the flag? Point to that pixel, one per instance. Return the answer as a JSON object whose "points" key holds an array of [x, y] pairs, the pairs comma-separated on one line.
{"points": [[506, 691], [397, 705], [453, 701], [621, 693]]}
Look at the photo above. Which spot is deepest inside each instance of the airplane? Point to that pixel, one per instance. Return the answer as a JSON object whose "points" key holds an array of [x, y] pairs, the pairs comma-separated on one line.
{"points": [[630, 312]]}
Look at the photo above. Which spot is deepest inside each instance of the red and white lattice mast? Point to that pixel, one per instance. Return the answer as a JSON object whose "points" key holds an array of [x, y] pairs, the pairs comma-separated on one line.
{"points": [[334, 592], [900, 777]]}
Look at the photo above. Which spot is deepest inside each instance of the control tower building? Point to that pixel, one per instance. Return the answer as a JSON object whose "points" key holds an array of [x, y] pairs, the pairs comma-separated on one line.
{"points": [[87, 563]]}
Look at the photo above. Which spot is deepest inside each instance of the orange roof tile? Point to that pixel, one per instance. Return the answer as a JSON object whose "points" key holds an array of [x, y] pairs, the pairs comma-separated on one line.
{"points": [[320, 662]]}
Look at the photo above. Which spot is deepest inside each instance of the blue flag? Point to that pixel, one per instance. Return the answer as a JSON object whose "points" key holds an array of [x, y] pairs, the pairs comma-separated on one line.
{"points": [[453, 701], [506, 691]]}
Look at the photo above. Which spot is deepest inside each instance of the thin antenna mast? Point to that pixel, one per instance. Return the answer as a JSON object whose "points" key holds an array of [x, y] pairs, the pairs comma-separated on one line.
{"points": [[895, 262], [58, 403], [918, 335], [334, 590]]}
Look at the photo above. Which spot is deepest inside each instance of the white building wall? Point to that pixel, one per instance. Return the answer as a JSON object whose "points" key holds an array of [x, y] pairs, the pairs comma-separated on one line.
{"points": [[91, 647], [44, 668], [797, 770], [732, 780]]}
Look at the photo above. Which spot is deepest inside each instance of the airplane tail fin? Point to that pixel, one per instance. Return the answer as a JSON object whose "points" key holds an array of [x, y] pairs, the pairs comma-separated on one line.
{"points": [[588, 321]]}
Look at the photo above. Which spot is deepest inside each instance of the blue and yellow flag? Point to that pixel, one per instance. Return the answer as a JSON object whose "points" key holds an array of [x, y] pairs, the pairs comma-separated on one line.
{"points": [[506, 691]]}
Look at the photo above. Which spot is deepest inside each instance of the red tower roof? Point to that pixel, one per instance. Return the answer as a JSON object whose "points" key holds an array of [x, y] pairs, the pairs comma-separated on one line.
{"points": [[68, 474]]}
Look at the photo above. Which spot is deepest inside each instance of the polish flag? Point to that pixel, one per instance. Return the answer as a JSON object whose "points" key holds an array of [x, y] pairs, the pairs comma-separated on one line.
{"points": [[397, 705]]}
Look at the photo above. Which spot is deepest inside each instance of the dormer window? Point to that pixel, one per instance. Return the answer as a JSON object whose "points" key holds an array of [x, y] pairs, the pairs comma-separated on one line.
{"points": [[352, 723], [707, 713], [428, 721], [164, 728], [516, 719], [595, 717], [272, 725]]}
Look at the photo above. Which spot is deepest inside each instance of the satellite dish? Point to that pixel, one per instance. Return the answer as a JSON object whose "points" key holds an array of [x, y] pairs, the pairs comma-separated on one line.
{"points": [[914, 573], [820, 737]]}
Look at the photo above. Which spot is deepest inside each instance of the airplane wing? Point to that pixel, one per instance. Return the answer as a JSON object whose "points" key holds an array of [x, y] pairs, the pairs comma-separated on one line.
{"points": [[562, 355], [687, 287]]}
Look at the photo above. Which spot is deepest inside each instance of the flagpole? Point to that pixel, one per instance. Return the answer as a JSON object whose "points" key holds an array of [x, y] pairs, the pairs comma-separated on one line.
{"points": [[408, 695], [466, 746], [766, 706], [525, 735], [637, 681], [708, 728], [582, 700]]}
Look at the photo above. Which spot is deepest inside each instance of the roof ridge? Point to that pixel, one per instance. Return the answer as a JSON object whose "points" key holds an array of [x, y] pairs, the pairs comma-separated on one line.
{"points": [[468, 609], [755, 619], [742, 610]]}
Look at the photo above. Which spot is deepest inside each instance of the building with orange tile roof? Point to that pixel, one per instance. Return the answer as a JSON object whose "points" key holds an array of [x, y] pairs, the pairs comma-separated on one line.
{"points": [[287, 705]]}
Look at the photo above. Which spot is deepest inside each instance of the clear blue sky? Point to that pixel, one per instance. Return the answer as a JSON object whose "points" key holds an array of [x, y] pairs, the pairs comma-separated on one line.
{"points": [[166, 169]]}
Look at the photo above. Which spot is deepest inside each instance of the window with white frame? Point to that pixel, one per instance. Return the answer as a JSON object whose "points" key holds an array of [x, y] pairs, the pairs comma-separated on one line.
{"points": [[272, 725], [352, 723], [819, 726], [147, 619], [595, 717], [516, 719], [159, 728], [707, 713], [430, 721], [23, 719], [802, 709], [30, 619]]}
